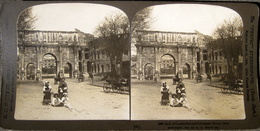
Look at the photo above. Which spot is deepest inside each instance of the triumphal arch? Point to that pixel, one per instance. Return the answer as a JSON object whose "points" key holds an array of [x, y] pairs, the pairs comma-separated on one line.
{"points": [[55, 52], [164, 54]]}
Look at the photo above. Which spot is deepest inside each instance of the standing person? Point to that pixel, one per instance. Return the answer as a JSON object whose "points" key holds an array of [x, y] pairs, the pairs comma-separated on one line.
{"points": [[209, 78], [173, 79], [165, 94], [47, 93], [91, 77]]}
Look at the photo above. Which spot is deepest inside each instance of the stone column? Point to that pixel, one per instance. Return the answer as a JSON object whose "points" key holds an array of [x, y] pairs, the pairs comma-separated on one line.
{"points": [[38, 56], [156, 71], [59, 63], [179, 61], [75, 62], [22, 51], [139, 63], [156, 58]]}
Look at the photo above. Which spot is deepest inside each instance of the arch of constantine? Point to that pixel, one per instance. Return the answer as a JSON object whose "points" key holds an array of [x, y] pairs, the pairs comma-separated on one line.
{"points": [[64, 51], [165, 54]]}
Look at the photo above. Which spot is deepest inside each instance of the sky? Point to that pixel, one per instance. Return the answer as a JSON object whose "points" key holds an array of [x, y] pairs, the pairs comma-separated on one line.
{"points": [[187, 18], [85, 17], [67, 17]]}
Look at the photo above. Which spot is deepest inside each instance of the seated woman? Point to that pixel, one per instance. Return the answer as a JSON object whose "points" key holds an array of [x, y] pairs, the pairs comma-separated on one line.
{"points": [[180, 100], [165, 94], [47, 93], [61, 100], [180, 87], [63, 88], [184, 102]]}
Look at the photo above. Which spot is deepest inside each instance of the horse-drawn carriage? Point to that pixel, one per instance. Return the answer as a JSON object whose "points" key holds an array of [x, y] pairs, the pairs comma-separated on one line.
{"points": [[117, 85], [232, 86]]}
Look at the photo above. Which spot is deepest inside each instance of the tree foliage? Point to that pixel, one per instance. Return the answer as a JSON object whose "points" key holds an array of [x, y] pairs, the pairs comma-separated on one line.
{"points": [[229, 28], [115, 30], [113, 24], [228, 40], [142, 20], [26, 20]]}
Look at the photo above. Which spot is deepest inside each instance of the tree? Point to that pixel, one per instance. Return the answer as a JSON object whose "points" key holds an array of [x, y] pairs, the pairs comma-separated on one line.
{"points": [[26, 20], [228, 37], [114, 31], [142, 20]]}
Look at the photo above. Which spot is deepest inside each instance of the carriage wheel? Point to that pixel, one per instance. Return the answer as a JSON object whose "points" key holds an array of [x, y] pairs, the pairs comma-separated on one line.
{"points": [[224, 89], [121, 90], [106, 87], [124, 90], [115, 89], [232, 89], [240, 91]]}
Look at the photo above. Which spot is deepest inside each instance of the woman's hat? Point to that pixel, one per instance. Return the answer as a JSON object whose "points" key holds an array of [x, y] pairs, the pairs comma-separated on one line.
{"points": [[65, 93], [46, 82]]}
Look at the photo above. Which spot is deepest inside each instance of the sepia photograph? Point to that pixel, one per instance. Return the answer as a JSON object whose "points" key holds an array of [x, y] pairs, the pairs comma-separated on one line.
{"points": [[73, 63], [186, 63], [129, 65]]}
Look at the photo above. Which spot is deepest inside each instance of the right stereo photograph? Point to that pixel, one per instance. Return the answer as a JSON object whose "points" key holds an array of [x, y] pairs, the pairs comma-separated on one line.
{"points": [[186, 63]]}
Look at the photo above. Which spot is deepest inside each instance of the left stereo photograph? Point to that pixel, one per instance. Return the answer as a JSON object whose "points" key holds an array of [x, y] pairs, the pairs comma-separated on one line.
{"points": [[73, 63]]}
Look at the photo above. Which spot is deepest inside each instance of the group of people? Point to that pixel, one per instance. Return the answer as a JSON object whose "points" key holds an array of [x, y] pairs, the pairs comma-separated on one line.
{"points": [[59, 99], [177, 99]]}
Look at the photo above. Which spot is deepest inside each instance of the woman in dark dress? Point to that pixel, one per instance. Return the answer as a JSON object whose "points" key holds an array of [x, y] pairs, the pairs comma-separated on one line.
{"points": [[47, 93], [165, 94]]}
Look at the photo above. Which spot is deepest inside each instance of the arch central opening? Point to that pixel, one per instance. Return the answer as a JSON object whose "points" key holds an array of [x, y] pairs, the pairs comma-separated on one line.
{"points": [[30, 70], [167, 65], [148, 71], [49, 65]]}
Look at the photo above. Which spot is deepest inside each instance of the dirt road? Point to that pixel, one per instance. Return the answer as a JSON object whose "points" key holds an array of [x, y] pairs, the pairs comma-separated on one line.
{"points": [[89, 103], [92, 103], [207, 102]]}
